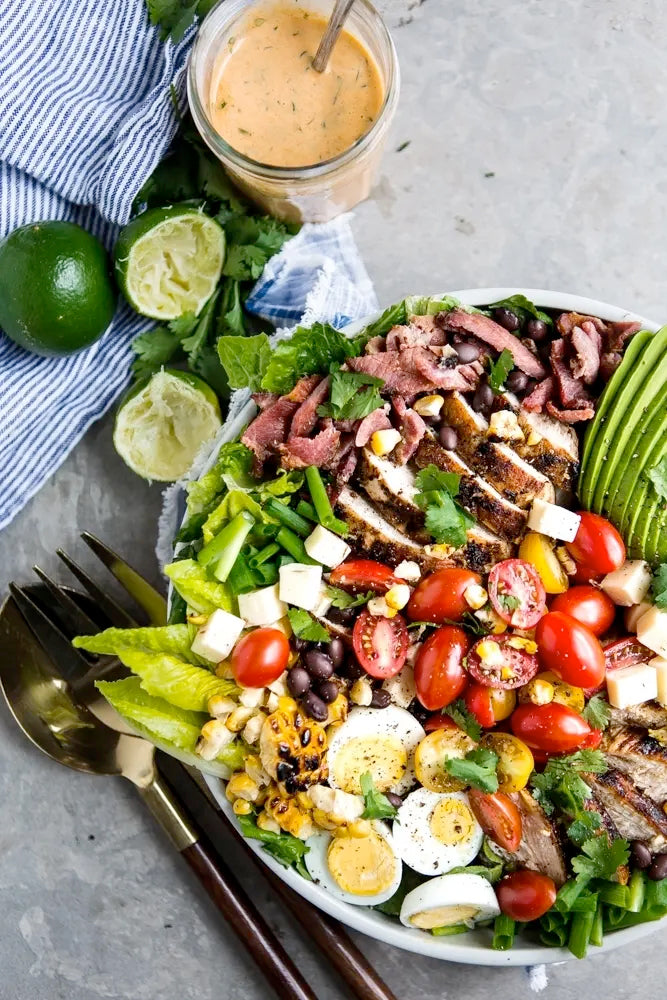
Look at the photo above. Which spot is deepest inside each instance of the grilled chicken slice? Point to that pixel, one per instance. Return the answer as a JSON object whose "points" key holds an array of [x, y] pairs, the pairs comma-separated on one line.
{"points": [[497, 462], [641, 757], [393, 488], [540, 848], [593, 804], [551, 447], [635, 815], [483, 501], [650, 715], [377, 538]]}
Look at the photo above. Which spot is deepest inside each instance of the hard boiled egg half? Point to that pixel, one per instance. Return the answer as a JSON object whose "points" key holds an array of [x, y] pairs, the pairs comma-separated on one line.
{"points": [[436, 832], [363, 870], [378, 741], [448, 900]]}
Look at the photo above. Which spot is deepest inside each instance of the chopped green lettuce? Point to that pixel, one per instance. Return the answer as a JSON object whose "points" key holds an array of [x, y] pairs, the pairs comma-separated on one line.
{"points": [[234, 463], [245, 360], [232, 504], [352, 395], [424, 305], [308, 351], [197, 590], [181, 684], [173, 639], [393, 315]]}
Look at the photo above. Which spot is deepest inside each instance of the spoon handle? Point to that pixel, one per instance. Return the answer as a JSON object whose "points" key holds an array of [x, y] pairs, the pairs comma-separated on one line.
{"points": [[336, 21]]}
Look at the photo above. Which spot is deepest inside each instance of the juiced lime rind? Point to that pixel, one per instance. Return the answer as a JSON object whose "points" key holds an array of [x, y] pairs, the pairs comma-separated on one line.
{"points": [[163, 423], [169, 260]]}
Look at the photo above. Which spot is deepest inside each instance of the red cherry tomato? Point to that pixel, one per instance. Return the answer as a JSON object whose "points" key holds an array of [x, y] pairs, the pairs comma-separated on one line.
{"points": [[260, 657], [439, 597], [597, 544], [363, 574], [570, 650], [380, 644], [583, 574], [625, 653], [526, 895], [589, 605], [498, 817], [439, 721], [509, 667], [517, 593], [553, 727], [592, 741], [488, 704], [439, 674]]}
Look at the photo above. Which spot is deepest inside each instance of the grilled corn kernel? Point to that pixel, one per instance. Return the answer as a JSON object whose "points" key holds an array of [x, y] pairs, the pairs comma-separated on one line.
{"points": [[197, 619], [304, 801], [440, 551], [475, 596], [379, 606], [286, 704], [224, 670], [242, 786], [361, 692], [323, 819], [533, 439], [503, 424], [289, 816], [397, 596], [220, 707], [564, 694], [519, 642], [255, 770], [429, 406], [253, 728], [408, 570], [242, 807], [382, 442], [490, 653], [337, 710], [266, 822], [238, 718], [213, 738], [566, 560], [537, 692]]}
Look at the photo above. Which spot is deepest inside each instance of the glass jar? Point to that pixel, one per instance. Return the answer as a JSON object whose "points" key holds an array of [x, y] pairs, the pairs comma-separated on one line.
{"points": [[313, 193]]}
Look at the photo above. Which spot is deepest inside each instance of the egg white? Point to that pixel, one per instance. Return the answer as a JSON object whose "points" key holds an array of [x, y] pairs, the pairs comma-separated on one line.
{"points": [[451, 892], [381, 722], [318, 868], [416, 844]]}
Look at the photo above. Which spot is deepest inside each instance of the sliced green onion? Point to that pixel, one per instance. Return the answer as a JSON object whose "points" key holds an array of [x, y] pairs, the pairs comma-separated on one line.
{"points": [[615, 916], [266, 574], [554, 929], [225, 547], [338, 527], [306, 510], [580, 933], [597, 930], [568, 893], [241, 578], [585, 903], [294, 545], [319, 494], [614, 894], [656, 895], [636, 891], [504, 929], [288, 517], [449, 931], [268, 552]]}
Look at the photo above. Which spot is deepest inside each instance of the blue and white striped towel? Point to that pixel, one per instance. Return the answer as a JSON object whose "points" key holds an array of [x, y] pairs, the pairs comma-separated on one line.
{"points": [[85, 115]]}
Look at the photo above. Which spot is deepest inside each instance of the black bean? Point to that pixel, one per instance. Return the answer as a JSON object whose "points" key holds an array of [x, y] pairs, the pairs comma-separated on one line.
{"points": [[380, 698], [315, 707], [417, 709], [641, 855], [351, 669], [448, 438], [537, 329], [483, 398], [300, 644], [507, 318], [530, 385], [658, 869], [517, 381], [318, 664], [328, 691], [394, 800], [341, 616], [298, 681], [467, 352], [336, 652]]}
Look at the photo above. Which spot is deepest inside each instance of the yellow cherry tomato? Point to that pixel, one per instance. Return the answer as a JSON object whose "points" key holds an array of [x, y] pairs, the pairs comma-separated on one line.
{"points": [[515, 761], [537, 550], [564, 694], [503, 703], [431, 754]]}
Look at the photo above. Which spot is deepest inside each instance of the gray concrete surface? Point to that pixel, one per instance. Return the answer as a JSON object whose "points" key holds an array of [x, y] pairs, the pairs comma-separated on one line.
{"points": [[536, 135]]}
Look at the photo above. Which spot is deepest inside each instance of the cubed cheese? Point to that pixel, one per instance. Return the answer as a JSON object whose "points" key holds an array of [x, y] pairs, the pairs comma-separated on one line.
{"points": [[629, 584], [323, 604], [300, 585], [631, 685], [659, 664], [652, 630], [401, 688], [408, 570], [216, 639], [552, 520], [326, 547], [632, 615], [262, 607]]}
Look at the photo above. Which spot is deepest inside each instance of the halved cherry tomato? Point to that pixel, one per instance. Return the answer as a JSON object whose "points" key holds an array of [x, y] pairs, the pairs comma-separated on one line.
{"points": [[570, 650], [496, 661], [260, 657], [380, 644], [438, 598], [515, 760], [597, 544], [593, 740], [439, 721], [526, 895], [498, 817], [489, 705], [584, 574], [589, 605], [363, 574], [439, 674], [625, 653], [553, 727], [517, 593]]}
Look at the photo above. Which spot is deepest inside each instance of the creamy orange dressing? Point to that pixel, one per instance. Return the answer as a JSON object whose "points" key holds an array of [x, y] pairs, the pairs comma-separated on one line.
{"points": [[268, 102]]}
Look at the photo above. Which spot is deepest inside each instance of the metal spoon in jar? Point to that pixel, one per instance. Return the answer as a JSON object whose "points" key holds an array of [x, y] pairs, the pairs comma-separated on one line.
{"points": [[330, 36]]}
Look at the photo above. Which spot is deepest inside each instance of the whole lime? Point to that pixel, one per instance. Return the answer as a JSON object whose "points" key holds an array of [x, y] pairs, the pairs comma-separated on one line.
{"points": [[56, 293]]}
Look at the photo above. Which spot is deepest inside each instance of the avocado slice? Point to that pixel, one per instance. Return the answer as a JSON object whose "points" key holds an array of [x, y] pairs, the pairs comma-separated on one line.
{"points": [[640, 519], [595, 428], [629, 405], [628, 487]]}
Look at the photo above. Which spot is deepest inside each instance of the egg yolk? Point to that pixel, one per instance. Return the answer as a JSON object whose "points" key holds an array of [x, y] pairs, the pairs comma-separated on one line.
{"points": [[452, 822], [443, 916], [384, 757], [362, 866]]}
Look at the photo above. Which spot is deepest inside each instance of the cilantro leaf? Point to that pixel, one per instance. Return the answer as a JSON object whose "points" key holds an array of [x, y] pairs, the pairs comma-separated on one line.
{"points": [[376, 803], [432, 479], [658, 476], [245, 360], [659, 586], [597, 712], [154, 348], [560, 783], [465, 720], [285, 848], [309, 350], [477, 769], [585, 826], [244, 262], [341, 599], [195, 342], [445, 520], [601, 859], [183, 325], [523, 307], [500, 369], [230, 317], [172, 17], [305, 627], [352, 395]]}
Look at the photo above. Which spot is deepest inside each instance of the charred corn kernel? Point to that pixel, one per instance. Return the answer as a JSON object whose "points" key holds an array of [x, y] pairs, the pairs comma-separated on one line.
{"points": [[213, 738], [224, 670], [429, 406], [490, 653], [503, 424], [379, 606], [242, 786], [503, 703], [220, 707], [567, 694], [338, 710], [566, 560], [360, 828], [537, 692], [382, 442], [361, 692], [266, 822], [255, 770], [304, 800], [289, 816], [251, 697], [323, 819], [408, 570], [398, 596], [286, 704], [242, 807], [440, 551], [292, 749], [238, 718], [197, 619], [332, 728], [538, 550], [491, 619], [475, 596], [253, 728], [533, 439], [520, 642]]}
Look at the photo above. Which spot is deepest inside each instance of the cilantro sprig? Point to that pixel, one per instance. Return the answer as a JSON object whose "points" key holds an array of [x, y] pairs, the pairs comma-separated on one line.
{"points": [[561, 786], [500, 369], [477, 769], [305, 627], [376, 803], [597, 712], [352, 395], [464, 719], [445, 519], [659, 586], [341, 599]]}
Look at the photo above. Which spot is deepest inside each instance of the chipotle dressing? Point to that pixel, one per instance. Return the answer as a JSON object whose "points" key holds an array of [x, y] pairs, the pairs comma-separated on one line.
{"points": [[268, 102]]}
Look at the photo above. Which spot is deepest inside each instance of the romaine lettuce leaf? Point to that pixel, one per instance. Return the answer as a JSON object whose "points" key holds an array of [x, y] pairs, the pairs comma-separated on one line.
{"points": [[424, 305], [173, 639], [245, 360], [195, 587], [229, 507], [234, 462], [307, 352], [179, 683]]}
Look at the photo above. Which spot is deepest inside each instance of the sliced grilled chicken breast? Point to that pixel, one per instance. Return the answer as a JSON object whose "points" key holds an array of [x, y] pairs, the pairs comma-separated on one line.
{"points": [[635, 815], [540, 848], [650, 715], [551, 447], [641, 757]]}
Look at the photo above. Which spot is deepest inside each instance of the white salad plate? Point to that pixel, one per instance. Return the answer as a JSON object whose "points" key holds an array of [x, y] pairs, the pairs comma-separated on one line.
{"points": [[473, 948]]}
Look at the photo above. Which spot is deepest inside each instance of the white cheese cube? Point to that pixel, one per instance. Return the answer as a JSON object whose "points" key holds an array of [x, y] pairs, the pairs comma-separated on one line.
{"points": [[552, 520], [629, 584], [262, 607], [659, 664], [300, 585], [326, 547], [251, 697], [631, 685], [652, 631], [401, 688], [216, 639], [632, 615], [323, 604], [408, 570]]}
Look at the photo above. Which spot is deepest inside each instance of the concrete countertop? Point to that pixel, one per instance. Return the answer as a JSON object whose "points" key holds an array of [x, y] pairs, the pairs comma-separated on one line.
{"points": [[529, 150]]}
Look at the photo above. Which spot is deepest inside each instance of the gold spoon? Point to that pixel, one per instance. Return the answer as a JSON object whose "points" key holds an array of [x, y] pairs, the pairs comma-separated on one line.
{"points": [[330, 36]]}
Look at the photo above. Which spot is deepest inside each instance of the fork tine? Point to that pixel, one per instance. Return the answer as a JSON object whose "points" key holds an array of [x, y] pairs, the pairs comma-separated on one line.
{"points": [[116, 615], [146, 596], [74, 618]]}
